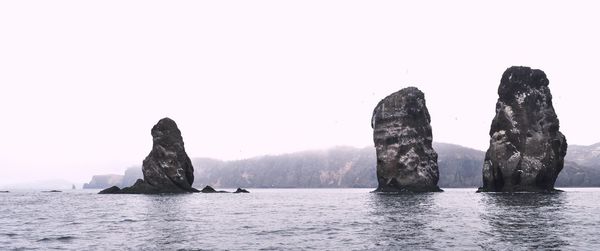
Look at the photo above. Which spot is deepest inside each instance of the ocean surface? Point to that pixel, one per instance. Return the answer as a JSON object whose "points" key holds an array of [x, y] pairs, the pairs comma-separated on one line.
{"points": [[301, 219]]}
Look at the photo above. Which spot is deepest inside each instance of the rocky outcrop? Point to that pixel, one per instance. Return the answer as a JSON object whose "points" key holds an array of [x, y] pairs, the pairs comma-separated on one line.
{"points": [[209, 189], [167, 169], [241, 190], [527, 150], [139, 187], [111, 190], [406, 160]]}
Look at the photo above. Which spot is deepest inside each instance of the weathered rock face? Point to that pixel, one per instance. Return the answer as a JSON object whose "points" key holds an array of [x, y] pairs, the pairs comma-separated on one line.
{"points": [[406, 160], [167, 165], [167, 169], [527, 149]]}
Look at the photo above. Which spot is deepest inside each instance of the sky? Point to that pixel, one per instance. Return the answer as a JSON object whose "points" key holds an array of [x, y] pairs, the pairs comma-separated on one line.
{"points": [[83, 82]]}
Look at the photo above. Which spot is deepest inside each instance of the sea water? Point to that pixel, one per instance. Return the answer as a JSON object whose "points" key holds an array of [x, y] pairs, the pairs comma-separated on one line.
{"points": [[301, 219]]}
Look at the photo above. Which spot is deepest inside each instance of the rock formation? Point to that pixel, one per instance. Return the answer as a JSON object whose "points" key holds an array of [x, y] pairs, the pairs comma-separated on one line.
{"points": [[209, 189], [527, 149], [241, 190], [406, 160], [111, 190], [167, 169]]}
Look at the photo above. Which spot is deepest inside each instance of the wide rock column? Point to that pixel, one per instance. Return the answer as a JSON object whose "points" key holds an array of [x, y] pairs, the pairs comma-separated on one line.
{"points": [[527, 150], [406, 160], [167, 169]]}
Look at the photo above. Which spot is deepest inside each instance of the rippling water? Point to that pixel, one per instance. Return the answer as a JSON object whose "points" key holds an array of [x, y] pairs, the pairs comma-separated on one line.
{"points": [[301, 219]]}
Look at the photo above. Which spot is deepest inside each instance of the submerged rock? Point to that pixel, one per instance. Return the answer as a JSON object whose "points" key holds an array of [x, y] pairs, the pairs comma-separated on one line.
{"points": [[167, 169], [406, 160], [241, 190], [527, 149]]}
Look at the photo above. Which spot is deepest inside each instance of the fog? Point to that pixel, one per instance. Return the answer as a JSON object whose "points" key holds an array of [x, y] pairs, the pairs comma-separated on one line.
{"points": [[83, 82]]}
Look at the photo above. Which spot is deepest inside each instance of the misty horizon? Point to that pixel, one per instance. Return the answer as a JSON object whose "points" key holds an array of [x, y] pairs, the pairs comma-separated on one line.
{"points": [[61, 183], [120, 170]]}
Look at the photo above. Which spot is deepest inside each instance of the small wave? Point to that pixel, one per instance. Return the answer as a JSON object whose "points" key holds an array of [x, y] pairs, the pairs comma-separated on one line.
{"points": [[10, 234], [128, 220], [60, 238]]}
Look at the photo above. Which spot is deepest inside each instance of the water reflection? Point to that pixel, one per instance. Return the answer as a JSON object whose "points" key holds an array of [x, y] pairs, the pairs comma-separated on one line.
{"points": [[524, 220], [168, 225], [402, 220]]}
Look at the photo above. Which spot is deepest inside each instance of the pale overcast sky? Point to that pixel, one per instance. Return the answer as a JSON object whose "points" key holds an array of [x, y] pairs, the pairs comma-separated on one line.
{"points": [[83, 82]]}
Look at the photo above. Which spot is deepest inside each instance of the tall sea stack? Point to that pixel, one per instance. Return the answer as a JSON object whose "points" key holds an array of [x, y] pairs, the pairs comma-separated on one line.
{"points": [[406, 161], [167, 169], [527, 150]]}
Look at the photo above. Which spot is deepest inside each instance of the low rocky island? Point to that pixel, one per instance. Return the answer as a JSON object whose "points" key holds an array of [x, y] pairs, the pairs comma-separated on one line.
{"points": [[167, 169], [241, 190], [527, 150], [406, 160], [209, 189]]}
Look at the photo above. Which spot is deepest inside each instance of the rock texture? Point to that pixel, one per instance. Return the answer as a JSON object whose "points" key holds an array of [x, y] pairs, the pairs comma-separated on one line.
{"points": [[167, 169], [527, 150], [406, 160]]}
